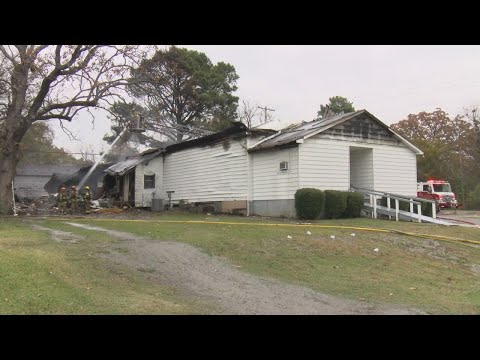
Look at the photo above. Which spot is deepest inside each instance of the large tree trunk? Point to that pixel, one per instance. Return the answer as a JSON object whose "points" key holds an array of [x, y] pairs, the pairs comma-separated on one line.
{"points": [[179, 134], [7, 173], [11, 133], [12, 130]]}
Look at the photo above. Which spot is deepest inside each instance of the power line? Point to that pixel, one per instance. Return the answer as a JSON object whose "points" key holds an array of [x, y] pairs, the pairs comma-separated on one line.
{"points": [[60, 152], [265, 109], [183, 129]]}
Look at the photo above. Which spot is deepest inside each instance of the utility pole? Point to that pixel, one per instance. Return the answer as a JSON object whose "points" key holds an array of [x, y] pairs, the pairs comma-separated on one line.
{"points": [[265, 109], [476, 124]]}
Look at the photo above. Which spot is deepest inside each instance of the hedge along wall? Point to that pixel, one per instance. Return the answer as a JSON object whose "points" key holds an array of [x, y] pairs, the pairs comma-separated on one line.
{"points": [[335, 203], [309, 203], [354, 205]]}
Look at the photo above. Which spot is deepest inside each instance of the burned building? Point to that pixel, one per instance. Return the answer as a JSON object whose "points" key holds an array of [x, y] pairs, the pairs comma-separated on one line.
{"points": [[95, 181], [30, 180]]}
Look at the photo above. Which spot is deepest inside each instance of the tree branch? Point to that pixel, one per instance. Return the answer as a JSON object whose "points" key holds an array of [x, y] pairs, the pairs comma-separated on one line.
{"points": [[66, 105], [55, 116], [82, 65], [67, 132], [58, 53], [7, 55], [75, 55], [35, 51]]}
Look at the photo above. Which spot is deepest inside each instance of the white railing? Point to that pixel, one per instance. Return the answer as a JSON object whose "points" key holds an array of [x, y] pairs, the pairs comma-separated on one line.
{"points": [[374, 195]]}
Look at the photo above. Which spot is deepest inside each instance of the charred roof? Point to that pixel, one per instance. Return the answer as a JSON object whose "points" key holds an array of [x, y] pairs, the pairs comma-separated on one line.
{"points": [[75, 177], [237, 130], [132, 161]]}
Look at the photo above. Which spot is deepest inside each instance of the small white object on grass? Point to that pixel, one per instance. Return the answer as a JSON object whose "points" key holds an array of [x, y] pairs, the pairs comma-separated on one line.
{"points": [[309, 233], [289, 237], [332, 237], [353, 234], [376, 249]]}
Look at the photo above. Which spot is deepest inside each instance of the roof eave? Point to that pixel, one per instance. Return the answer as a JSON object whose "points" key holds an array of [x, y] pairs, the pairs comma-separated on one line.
{"points": [[275, 146], [148, 157]]}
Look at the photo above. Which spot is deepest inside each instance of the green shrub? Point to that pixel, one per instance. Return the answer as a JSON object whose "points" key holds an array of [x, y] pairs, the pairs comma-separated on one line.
{"points": [[335, 203], [354, 205], [309, 203]]}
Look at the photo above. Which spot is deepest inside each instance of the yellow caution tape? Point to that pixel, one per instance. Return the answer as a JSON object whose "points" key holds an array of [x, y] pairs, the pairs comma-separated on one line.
{"points": [[424, 236]]}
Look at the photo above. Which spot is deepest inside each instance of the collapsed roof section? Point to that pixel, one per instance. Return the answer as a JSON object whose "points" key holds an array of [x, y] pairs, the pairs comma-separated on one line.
{"points": [[131, 162], [74, 178]]}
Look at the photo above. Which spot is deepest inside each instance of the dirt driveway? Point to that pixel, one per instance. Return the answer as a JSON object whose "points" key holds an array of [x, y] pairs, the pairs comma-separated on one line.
{"points": [[229, 290]]}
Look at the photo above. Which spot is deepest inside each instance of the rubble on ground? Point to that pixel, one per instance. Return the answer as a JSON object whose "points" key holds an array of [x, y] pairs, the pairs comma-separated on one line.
{"points": [[48, 205], [40, 206], [113, 210]]}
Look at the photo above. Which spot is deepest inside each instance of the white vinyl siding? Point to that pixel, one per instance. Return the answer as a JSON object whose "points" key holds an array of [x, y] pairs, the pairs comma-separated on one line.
{"points": [[213, 173], [269, 182], [139, 186], [395, 170], [324, 164], [143, 197]]}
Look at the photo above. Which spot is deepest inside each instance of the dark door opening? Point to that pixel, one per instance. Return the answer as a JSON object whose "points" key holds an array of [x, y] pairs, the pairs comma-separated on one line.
{"points": [[361, 168]]}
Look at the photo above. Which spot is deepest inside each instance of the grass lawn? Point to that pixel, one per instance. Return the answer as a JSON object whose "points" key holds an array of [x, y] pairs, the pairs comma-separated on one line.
{"points": [[41, 276], [436, 276]]}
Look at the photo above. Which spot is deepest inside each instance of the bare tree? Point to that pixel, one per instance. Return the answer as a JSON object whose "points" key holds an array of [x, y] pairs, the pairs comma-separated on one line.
{"points": [[250, 114], [46, 82], [87, 154]]}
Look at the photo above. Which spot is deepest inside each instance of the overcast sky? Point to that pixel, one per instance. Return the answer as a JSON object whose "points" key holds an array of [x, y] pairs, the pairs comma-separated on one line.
{"points": [[388, 81]]}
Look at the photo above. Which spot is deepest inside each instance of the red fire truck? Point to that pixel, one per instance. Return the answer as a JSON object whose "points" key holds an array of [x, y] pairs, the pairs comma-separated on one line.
{"points": [[438, 190]]}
